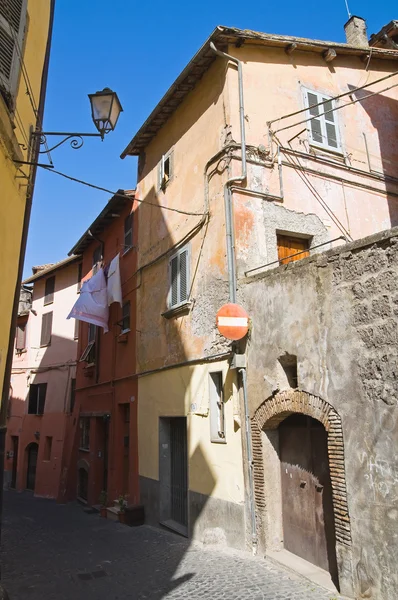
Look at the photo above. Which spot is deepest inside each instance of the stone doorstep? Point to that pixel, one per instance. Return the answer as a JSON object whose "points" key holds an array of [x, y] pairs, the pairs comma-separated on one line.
{"points": [[300, 567], [112, 513]]}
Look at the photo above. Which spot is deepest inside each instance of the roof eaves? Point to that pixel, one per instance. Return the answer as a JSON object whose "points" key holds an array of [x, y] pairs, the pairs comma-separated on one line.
{"points": [[202, 60], [51, 269], [105, 217]]}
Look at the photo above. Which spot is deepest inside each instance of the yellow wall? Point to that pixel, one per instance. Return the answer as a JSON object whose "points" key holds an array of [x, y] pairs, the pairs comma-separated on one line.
{"points": [[13, 129], [214, 469]]}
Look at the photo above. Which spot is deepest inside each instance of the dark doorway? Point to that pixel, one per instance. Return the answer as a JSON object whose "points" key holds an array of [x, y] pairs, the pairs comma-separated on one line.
{"points": [[32, 451], [106, 421], [14, 441], [82, 490], [173, 473], [125, 411], [307, 501]]}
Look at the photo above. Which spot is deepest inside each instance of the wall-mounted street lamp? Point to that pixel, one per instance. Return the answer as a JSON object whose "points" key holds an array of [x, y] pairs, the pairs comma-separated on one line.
{"points": [[105, 111]]}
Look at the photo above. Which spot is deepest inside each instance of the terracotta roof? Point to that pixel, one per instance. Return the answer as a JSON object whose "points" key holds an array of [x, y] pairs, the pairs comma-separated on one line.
{"points": [[222, 36], [387, 37], [41, 268], [106, 216], [50, 268]]}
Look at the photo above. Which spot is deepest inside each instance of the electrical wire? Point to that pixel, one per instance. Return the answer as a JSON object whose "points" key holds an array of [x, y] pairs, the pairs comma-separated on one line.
{"points": [[102, 189], [297, 112], [335, 108], [296, 164]]}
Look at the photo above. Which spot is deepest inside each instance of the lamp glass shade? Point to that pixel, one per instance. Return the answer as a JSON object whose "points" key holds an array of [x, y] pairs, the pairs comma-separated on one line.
{"points": [[105, 109]]}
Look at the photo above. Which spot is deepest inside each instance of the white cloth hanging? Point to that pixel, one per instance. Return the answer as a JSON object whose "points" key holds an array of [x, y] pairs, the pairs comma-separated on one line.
{"points": [[92, 304], [114, 284]]}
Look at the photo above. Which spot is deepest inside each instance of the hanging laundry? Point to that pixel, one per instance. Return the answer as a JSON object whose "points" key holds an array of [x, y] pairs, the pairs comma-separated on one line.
{"points": [[92, 304], [114, 284]]}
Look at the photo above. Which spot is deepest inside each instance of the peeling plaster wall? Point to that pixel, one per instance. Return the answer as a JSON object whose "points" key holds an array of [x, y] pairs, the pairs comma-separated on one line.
{"points": [[338, 313]]}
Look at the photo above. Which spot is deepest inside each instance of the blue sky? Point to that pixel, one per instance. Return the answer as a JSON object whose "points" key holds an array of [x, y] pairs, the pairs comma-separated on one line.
{"points": [[138, 49]]}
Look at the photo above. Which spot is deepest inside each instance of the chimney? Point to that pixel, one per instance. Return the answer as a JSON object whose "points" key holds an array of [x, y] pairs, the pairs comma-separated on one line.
{"points": [[355, 32]]}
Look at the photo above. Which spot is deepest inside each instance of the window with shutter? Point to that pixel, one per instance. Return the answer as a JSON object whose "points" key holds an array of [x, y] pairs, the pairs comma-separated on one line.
{"points": [[76, 332], [97, 258], [322, 124], [128, 232], [88, 355], [166, 170], [125, 322], [37, 398], [79, 276], [292, 248], [179, 278], [49, 290], [12, 29], [20, 338], [72, 394], [46, 328]]}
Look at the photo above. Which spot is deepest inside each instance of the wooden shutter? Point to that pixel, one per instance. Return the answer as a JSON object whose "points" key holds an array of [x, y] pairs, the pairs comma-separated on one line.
{"points": [[20, 341], [46, 327], [49, 290], [12, 28], [126, 316], [72, 394], [76, 332], [174, 281], [330, 126], [128, 232], [183, 268], [42, 390], [315, 124], [288, 246], [79, 276]]}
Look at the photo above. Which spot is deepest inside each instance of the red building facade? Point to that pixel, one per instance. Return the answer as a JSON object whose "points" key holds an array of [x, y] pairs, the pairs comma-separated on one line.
{"points": [[102, 438]]}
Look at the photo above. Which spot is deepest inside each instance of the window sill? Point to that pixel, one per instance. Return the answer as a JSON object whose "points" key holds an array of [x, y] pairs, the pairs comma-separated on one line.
{"points": [[177, 311], [48, 302], [123, 337], [45, 345], [127, 250], [7, 132], [336, 155]]}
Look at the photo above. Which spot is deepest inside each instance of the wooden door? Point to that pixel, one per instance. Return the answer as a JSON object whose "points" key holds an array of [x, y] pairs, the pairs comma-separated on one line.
{"points": [[307, 502], [179, 470], [14, 472], [291, 248], [32, 464]]}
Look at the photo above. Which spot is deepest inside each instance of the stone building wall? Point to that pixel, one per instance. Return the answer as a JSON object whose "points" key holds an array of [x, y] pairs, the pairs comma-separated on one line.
{"points": [[337, 312]]}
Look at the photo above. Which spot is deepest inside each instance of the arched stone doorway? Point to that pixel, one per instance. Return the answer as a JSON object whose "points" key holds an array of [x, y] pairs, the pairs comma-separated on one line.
{"points": [[280, 446], [32, 451]]}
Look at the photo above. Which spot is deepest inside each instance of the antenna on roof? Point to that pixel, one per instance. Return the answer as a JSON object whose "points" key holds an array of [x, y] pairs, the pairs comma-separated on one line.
{"points": [[348, 10]]}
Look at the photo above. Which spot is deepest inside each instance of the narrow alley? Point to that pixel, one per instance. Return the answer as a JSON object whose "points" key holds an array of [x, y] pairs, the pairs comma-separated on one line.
{"points": [[53, 551]]}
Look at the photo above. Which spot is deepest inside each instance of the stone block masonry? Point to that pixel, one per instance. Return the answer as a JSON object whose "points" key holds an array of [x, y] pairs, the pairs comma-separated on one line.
{"points": [[337, 312]]}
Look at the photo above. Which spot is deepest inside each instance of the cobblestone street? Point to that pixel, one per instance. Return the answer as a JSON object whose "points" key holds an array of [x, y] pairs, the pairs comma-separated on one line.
{"points": [[60, 552]]}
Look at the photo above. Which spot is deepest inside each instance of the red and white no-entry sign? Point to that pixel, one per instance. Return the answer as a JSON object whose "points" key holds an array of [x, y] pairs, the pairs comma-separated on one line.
{"points": [[232, 321]]}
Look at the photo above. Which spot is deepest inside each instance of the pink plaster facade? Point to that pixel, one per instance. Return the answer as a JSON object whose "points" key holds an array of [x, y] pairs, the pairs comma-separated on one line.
{"points": [[55, 365]]}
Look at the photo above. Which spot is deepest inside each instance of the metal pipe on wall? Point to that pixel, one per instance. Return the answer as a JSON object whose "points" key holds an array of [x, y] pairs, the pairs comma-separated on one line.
{"points": [[232, 280], [229, 222]]}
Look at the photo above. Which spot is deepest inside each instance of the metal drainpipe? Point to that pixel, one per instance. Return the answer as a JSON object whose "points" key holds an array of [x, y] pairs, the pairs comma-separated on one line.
{"points": [[229, 225], [232, 281]]}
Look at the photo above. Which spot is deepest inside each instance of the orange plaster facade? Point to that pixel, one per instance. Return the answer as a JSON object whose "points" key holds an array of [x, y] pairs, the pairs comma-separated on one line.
{"points": [[106, 391]]}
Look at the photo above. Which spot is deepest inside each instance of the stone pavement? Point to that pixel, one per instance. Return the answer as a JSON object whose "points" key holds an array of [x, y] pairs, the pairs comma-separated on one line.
{"points": [[60, 552]]}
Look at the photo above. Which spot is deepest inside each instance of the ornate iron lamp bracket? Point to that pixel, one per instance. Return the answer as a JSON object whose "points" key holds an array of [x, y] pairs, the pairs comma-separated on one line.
{"points": [[75, 139]]}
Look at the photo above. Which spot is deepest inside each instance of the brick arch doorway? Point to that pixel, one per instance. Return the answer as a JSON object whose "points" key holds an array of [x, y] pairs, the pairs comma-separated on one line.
{"points": [[298, 452]]}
